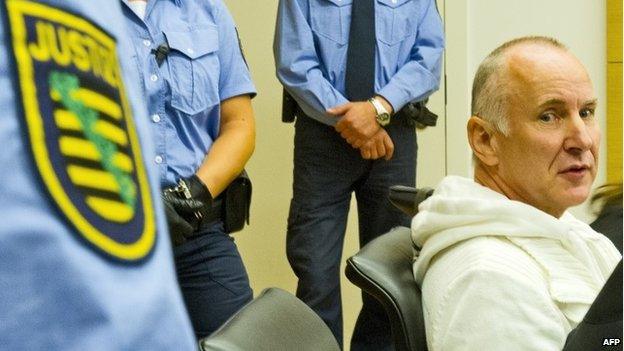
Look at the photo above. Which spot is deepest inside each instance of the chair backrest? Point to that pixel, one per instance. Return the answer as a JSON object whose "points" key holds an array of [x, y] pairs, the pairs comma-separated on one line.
{"points": [[274, 321], [603, 321], [383, 269]]}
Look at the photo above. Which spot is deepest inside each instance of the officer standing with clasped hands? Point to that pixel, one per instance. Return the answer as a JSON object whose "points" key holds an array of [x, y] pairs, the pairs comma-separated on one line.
{"points": [[85, 262], [355, 69], [198, 90]]}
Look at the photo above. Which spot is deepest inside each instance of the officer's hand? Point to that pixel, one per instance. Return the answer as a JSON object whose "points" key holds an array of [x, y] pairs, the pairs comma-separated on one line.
{"points": [[380, 145], [184, 215], [184, 207], [200, 198], [179, 228], [199, 190], [357, 122]]}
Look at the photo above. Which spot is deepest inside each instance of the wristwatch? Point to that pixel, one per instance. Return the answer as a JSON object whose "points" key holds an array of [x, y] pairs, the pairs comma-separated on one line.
{"points": [[381, 114]]}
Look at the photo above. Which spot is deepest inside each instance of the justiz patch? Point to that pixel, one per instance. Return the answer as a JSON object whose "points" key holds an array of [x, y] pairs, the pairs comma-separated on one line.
{"points": [[80, 127]]}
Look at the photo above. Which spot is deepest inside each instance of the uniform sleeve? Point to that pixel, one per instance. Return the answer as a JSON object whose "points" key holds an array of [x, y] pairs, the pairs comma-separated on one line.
{"points": [[234, 77], [486, 310], [419, 77], [298, 65]]}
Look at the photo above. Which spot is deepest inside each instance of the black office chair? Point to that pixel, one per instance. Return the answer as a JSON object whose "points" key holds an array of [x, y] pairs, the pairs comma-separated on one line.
{"points": [[383, 269], [273, 321], [603, 322]]}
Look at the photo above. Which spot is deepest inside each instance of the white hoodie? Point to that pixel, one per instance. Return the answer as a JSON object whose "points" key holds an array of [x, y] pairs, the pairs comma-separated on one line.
{"points": [[498, 274]]}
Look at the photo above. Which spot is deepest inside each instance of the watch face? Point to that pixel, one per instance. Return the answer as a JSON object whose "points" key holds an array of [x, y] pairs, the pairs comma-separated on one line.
{"points": [[383, 119]]}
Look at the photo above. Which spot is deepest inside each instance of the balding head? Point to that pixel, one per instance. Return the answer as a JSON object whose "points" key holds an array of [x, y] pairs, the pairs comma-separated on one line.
{"points": [[490, 91], [533, 131]]}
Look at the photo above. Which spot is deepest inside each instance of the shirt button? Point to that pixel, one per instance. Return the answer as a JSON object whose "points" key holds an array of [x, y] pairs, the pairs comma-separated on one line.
{"points": [[153, 77], [155, 118], [147, 42], [190, 51], [158, 159]]}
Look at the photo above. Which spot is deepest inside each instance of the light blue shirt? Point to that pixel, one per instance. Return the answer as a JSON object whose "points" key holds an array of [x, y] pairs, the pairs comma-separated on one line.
{"points": [[205, 66], [58, 291], [311, 42]]}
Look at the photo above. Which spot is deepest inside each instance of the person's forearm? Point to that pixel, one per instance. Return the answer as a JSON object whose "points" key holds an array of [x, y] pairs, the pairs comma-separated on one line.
{"points": [[298, 66], [232, 148], [420, 76]]}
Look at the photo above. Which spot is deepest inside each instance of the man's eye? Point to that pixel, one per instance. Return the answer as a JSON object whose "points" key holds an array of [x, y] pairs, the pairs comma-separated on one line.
{"points": [[547, 117], [587, 112]]}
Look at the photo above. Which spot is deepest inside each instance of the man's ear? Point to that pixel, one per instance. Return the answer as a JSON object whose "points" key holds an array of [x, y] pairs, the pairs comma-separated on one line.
{"points": [[482, 141]]}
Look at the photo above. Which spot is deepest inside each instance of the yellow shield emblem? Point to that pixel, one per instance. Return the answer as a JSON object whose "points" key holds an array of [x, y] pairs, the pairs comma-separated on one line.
{"points": [[80, 128]]}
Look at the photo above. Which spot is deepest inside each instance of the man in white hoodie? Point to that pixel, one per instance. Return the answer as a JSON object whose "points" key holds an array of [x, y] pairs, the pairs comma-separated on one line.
{"points": [[502, 265]]}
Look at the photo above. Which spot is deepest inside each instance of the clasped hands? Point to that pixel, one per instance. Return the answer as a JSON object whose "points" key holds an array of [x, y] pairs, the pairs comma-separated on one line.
{"points": [[358, 126]]}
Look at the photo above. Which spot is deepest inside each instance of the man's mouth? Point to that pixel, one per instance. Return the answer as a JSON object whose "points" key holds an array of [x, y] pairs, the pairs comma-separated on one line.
{"points": [[576, 171]]}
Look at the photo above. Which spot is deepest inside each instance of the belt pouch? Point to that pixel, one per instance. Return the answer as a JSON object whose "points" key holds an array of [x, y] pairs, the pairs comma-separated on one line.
{"points": [[237, 201]]}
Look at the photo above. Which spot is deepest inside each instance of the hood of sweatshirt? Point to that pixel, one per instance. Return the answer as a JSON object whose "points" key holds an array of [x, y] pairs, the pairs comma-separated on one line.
{"points": [[576, 259]]}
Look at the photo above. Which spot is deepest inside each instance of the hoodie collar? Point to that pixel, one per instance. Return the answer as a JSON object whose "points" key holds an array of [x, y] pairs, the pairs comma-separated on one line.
{"points": [[565, 248]]}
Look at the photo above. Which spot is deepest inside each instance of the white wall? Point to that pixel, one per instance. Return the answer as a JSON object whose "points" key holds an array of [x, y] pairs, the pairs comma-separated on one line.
{"points": [[476, 27]]}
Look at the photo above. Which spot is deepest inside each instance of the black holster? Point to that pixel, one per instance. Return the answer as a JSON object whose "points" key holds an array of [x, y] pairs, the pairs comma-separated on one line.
{"points": [[417, 114], [236, 203], [289, 107]]}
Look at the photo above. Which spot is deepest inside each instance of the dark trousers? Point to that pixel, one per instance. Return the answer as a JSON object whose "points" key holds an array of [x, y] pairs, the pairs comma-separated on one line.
{"points": [[326, 172], [212, 278]]}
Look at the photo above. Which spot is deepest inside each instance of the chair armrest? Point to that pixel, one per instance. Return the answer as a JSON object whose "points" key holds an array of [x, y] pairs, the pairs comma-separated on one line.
{"points": [[407, 198]]}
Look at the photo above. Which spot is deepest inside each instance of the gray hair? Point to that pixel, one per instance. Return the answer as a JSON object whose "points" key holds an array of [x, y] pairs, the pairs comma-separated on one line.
{"points": [[489, 91]]}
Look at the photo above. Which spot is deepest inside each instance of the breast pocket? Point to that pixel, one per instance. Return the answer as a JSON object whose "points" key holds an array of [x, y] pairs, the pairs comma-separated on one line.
{"points": [[396, 20], [194, 69], [331, 18]]}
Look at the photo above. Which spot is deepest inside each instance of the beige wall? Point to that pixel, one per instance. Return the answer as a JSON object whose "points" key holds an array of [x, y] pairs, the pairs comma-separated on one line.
{"points": [[614, 90]]}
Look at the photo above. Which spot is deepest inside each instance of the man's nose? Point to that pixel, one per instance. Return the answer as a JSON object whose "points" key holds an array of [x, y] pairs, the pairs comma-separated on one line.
{"points": [[579, 134]]}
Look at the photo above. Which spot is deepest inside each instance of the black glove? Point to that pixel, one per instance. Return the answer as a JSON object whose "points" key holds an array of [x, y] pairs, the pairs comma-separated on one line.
{"points": [[199, 190], [184, 205], [179, 228]]}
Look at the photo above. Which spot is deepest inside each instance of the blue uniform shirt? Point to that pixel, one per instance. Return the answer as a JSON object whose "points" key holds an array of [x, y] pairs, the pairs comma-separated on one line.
{"points": [[311, 42], [204, 66], [85, 260]]}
